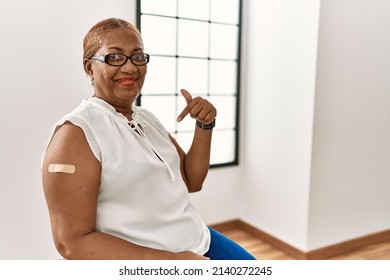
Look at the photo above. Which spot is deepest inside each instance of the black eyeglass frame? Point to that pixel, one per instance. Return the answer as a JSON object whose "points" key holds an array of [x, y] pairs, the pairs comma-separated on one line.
{"points": [[104, 59]]}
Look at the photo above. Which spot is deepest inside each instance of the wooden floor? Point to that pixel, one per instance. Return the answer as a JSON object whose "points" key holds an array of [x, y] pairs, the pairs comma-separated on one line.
{"points": [[264, 251]]}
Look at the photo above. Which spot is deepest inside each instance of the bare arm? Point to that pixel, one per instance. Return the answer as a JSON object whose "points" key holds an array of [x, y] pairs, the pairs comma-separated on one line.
{"points": [[195, 164], [72, 203]]}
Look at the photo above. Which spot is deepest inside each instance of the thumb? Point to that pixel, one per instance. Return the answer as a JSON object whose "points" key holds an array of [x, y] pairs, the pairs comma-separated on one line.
{"points": [[188, 97]]}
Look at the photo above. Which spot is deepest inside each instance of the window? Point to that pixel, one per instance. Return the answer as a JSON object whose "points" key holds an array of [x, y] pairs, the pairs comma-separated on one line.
{"points": [[195, 45]]}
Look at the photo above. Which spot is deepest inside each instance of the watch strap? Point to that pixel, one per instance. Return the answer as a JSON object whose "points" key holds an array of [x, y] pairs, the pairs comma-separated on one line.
{"points": [[206, 126]]}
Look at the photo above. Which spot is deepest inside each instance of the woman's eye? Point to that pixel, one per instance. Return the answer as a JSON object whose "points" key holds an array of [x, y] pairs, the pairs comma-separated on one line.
{"points": [[113, 57], [139, 57]]}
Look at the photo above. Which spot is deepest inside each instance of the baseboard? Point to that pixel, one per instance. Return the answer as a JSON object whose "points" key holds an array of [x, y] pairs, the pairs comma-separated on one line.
{"points": [[318, 254], [348, 246]]}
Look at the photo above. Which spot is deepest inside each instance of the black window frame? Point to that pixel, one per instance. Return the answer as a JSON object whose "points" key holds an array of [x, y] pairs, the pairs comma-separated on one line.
{"points": [[235, 161]]}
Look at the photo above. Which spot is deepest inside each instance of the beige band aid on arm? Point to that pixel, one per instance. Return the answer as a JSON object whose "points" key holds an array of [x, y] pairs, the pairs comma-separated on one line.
{"points": [[62, 168]]}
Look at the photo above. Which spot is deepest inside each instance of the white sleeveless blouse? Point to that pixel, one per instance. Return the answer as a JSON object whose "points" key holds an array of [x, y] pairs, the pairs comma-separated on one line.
{"points": [[142, 196]]}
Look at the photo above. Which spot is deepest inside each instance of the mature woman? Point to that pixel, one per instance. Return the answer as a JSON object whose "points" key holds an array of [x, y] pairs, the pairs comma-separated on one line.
{"points": [[115, 181]]}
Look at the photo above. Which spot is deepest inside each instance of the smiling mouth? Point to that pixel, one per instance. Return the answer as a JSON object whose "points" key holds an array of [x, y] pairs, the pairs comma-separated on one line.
{"points": [[127, 81]]}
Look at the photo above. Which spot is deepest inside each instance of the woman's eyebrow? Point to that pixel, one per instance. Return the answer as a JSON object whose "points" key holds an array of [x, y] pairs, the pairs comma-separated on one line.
{"points": [[122, 50], [115, 48]]}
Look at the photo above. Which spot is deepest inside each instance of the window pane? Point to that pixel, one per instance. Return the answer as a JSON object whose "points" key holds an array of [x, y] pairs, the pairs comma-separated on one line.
{"points": [[185, 140], [198, 9], [223, 76], [193, 75], [160, 7], [223, 147], [160, 78], [163, 107], [226, 11], [226, 111], [193, 38], [223, 41], [159, 42]]}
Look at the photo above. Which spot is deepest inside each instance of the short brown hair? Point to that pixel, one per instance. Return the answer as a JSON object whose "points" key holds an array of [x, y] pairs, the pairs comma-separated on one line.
{"points": [[93, 40]]}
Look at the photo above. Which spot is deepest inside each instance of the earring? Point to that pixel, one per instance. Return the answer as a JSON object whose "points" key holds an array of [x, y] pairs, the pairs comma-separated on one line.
{"points": [[92, 79]]}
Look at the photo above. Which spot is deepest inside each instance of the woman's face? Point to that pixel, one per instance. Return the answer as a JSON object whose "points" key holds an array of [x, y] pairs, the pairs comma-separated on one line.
{"points": [[118, 84]]}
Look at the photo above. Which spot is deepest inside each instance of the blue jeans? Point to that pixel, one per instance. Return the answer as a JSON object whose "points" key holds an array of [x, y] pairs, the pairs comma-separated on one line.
{"points": [[223, 248]]}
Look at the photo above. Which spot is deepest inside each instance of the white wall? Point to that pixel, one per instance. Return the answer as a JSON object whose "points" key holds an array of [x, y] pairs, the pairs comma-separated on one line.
{"points": [[41, 80], [350, 188], [317, 152], [282, 40]]}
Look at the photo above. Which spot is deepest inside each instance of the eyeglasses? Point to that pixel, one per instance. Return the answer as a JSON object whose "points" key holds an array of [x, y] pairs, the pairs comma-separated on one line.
{"points": [[117, 59]]}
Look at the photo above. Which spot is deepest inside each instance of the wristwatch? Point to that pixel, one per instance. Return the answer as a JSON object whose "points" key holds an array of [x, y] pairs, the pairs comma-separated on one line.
{"points": [[205, 126]]}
